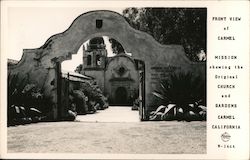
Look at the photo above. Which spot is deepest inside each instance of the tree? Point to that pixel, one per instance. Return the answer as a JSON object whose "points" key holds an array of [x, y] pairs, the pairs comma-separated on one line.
{"points": [[184, 26], [79, 68], [116, 46]]}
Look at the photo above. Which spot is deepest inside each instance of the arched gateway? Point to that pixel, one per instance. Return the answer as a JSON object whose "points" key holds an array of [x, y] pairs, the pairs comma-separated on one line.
{"points": [[42, 65]]}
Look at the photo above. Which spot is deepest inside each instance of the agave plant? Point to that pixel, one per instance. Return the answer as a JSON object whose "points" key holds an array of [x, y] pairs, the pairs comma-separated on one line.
{"points": [[181, 89], [15, 88], [26, 97]]}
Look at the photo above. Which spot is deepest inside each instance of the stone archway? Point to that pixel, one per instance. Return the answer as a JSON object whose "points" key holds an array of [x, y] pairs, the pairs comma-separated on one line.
{"points": [[41, 64]]}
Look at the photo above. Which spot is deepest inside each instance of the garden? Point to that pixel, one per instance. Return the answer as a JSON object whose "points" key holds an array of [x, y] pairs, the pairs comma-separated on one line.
{"points": [[28, 104]]}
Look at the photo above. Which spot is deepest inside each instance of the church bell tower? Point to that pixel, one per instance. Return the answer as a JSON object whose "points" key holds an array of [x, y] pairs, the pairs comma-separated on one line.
{"points": [[95, 54]]}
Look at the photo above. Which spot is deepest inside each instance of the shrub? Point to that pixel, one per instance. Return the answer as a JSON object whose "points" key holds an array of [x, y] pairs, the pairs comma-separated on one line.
{"points": [[78, 98], [94, 93]]}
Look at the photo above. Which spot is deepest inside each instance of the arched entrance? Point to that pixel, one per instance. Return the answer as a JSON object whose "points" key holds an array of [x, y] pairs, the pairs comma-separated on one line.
{"points": [[42, 65], [121, 95]]}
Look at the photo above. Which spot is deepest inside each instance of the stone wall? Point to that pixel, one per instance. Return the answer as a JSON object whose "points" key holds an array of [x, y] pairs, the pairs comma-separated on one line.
{"points": [[98, 75]]}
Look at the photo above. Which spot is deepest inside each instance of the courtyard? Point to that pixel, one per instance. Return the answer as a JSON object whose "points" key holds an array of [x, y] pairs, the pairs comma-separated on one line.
{"points": [[114, 130]]}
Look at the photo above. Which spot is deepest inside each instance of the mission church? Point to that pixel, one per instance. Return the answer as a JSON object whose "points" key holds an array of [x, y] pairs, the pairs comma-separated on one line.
{"points": [[117, 76]]}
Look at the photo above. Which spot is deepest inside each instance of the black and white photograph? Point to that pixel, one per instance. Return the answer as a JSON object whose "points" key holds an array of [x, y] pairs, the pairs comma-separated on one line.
{"points": [[128, 80]]}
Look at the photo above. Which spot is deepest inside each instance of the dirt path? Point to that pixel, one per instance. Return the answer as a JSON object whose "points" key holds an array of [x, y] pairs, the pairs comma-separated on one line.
{"points": [[107, 137], [112, 114]]}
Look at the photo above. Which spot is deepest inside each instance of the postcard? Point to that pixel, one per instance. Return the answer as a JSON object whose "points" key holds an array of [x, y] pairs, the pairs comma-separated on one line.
{"points": [[124, 79]]}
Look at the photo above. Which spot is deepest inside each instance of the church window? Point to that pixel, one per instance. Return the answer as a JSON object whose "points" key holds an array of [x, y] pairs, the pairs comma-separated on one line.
{"points": [[89, 60], [98, 60], [121, 70]]}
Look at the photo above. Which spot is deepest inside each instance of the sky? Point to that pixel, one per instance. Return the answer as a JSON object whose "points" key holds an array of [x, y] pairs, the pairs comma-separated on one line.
{"points": [[30, 27]]}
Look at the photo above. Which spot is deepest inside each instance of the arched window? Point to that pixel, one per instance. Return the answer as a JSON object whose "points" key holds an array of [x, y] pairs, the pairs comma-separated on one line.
{"points": [[98, 60], [89, 60]]}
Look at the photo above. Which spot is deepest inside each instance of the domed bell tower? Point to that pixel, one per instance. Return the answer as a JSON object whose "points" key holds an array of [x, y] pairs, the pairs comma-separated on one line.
{"points": [[95, 54], [94, 60]]}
